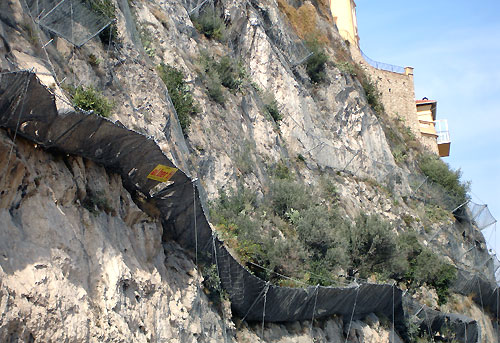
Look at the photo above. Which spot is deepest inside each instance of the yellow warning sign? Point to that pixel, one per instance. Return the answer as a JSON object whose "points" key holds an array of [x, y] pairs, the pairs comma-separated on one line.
{"points": [[162, 173]]}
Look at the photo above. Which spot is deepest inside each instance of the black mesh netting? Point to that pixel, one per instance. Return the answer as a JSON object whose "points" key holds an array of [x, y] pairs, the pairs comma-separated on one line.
{"points": [[432, 321], [28, 108], [485, 292]]}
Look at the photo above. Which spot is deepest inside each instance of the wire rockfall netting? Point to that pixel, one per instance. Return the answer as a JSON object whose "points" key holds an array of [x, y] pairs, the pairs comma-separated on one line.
{"points": [[480, 215], [429, 192], [71, 19], [196, 7], [462, 328], [282, 35], [28, 108], [496, 269], [485, 293], [383, 66]]}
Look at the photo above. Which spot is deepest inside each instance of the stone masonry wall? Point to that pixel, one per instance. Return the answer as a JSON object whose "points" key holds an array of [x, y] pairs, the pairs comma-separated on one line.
{"points": [[397, 92], [430, 143]]}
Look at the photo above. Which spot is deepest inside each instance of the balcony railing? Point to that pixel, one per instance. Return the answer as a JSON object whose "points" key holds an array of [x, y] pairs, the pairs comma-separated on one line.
{"points": [[442, 131]]}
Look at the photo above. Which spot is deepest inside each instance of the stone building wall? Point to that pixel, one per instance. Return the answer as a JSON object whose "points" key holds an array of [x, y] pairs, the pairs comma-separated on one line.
{"points": [[430, 143], [397, 92]]}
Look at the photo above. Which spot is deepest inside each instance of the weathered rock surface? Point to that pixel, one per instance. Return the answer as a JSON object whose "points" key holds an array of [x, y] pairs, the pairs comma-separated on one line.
{"points": [[94, 272], [80, 262]]}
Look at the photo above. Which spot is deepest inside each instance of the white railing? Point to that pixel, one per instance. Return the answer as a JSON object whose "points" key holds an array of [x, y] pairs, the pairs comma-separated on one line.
{"points": [[442, 131]]}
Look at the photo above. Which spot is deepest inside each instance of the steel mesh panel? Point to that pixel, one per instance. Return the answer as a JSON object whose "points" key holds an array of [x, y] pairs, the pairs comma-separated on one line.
{"points": [[427, 191], [481, 215], [70, 19], [293, 48]]}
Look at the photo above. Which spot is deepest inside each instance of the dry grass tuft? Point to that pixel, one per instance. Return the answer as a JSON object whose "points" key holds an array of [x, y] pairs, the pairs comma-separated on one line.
{"points": [[304, 21]]}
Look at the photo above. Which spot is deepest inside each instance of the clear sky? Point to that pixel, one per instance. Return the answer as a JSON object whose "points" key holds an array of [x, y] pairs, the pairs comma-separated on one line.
{"points": [[454, 46]]}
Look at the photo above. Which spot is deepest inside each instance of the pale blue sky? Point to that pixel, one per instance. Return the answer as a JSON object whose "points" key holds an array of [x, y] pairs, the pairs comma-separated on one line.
{"points": [[454, 46]]}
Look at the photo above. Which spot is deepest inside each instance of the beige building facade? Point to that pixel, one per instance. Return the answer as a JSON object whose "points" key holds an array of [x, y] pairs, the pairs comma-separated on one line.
{"points": [[395, 86], [434, 133], [344, 15]]}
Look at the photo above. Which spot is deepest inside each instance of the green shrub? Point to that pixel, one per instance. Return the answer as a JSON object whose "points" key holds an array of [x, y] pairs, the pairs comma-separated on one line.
{"points": [[231, 72], [93, 60], [418, 265], [281, 171], [89, 99], [329, 189], [286, 256], [286, 194], [292, 232], [96, 201], [347, 68], [256, 233], [106, 8], [372, 95], [371, 246], [225, 72], [229, 206], [180, 94], [315, 240], [318, 229], [147, 41], [428, 268], [271, 106], [321, 273], [210, 24], [440, 173], [435, 214], [400, 153], [316, 63], [212, 284], [211, 278], [214, 87]]}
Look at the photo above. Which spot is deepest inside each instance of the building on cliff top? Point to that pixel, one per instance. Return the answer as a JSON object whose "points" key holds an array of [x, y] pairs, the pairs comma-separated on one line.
{"points": [[434, 133], [344, 15], [395, 86]]}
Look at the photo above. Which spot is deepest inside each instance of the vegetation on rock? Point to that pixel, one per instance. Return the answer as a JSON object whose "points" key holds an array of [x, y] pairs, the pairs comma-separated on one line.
{"points": [[372, 95], [271, 107], [299, 231], [180, 94], [224, 72], [107, 9], [440, 173], [347, 68], [147, 41], [210, 24], [316, 63], [90, 99], [304, 19]]}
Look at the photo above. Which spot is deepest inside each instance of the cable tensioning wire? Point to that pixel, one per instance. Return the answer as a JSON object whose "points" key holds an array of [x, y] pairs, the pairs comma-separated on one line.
{"points": [[344, 283], [219, 286], [6, 170], [195, 227], [264, 309], [314, 311], [352, 315]]}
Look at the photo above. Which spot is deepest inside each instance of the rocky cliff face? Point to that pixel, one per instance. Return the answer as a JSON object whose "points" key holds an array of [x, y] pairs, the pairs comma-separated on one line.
{"points": [[79, 261]]}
